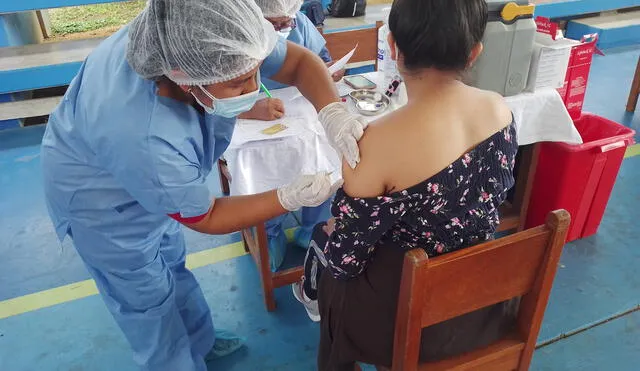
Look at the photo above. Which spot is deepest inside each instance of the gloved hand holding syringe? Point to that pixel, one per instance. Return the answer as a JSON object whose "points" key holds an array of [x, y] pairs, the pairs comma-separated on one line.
{"points": [[308, 191]]}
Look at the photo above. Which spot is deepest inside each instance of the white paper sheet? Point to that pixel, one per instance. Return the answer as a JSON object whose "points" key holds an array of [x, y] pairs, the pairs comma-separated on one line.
{"points": [[335, 68], [251, 130], [259, 162], [342, 61]]}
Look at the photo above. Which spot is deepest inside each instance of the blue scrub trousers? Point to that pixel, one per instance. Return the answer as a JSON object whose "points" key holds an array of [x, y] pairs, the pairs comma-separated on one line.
{"points": [[153, 297], [276, 236]]}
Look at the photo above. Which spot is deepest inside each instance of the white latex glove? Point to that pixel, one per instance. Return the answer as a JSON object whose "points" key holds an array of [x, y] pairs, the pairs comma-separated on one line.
{"points": [[344, 129], [307, 191]]}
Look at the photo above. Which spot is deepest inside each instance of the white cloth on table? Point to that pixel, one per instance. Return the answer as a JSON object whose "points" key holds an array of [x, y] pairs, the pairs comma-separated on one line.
{"points": [[259, 162], [542, 117]]}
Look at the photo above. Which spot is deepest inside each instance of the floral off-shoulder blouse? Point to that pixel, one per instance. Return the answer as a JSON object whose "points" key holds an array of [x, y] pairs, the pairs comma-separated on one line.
{"points": [[454, 209]]}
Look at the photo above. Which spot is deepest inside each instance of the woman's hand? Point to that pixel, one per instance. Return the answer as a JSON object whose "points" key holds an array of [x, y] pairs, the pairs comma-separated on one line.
{"points": [[267, 109], [338, 75], [330, 227]]}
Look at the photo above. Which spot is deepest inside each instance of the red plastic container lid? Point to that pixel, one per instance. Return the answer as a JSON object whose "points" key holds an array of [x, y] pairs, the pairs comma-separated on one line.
{"points": [[599, 133]]}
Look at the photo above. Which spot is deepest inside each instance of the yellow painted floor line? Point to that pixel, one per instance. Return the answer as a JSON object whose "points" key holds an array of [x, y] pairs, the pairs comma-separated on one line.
{"points": [[47, 298], [82, 289], [215, 255], [632, 151]]}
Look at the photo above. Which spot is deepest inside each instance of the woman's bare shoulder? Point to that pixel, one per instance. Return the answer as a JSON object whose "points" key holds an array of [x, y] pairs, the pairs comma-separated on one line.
{"points": [[368, 178], [495, 106]]}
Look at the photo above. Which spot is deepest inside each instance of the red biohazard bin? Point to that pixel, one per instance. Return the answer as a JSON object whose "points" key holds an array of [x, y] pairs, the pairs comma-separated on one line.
{"points": [[579, 178]]}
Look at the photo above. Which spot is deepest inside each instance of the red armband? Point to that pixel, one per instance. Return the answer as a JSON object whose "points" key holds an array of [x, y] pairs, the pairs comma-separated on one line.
{"points": [[192, 220]]}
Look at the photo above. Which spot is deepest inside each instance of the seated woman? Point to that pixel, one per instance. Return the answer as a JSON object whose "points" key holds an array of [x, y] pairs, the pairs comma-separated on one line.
{"points": [[293, 25], [432, 175]]}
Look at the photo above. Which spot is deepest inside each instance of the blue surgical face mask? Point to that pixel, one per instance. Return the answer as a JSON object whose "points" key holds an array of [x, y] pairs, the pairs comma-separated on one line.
{"points": [[285, 32], [230, 107]]}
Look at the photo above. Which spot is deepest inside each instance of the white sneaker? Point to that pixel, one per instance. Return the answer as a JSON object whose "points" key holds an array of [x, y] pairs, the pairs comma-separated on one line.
{"points": [[310, 305]]}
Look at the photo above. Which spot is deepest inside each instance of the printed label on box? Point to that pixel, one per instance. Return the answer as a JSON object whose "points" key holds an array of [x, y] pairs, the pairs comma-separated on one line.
{"points": [[545, 26], [577, 88], [582, 54], [576, 78], [549, 62]]}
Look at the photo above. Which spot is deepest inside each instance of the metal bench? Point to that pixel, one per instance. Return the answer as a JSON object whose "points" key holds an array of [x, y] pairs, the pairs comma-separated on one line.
{"points": [[44, 65], [30, 67]]}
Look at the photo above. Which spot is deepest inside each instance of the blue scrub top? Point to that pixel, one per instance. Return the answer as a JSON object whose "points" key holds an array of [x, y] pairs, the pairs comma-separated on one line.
{"points": [[117, 158], [307, 35]]}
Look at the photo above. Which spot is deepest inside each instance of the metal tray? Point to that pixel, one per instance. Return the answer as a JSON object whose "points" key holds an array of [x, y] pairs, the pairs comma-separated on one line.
{"points": [[369, 102]]}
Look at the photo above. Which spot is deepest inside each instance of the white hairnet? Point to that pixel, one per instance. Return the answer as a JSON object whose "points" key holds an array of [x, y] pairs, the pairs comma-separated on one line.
{"points": [[199, 42], [279, 8]]}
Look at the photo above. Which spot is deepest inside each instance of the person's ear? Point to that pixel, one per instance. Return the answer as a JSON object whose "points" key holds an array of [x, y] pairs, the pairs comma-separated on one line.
{"points": [[193, 91], [392, 46], [475, 53]]}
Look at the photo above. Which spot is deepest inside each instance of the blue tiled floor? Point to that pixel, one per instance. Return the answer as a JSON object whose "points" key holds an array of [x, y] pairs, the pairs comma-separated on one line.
{"points": [[612, 346]]}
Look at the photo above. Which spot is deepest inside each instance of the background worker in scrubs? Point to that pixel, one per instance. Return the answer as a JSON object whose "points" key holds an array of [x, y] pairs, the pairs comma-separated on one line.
{"points": [[126, 155], [294, 26]]}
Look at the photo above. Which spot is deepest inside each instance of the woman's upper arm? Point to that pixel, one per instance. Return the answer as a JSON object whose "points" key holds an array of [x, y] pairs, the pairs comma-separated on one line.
{"points": [[368, 178], [361, 216]]}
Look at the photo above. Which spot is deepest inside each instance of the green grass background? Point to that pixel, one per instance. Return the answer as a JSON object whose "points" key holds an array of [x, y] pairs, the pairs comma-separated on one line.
{"points": [[76, 19]]}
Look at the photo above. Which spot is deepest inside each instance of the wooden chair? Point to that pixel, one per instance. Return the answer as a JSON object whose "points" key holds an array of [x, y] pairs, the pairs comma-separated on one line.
{"points": [[635, 90], [520, 265]]}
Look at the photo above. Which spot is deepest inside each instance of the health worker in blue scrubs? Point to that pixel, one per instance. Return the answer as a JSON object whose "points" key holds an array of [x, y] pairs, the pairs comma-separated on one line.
{"points": [[127, 153], [294, 26]]}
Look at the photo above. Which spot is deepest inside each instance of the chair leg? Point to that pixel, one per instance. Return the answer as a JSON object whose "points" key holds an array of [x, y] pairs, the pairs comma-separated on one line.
{"points": [[265, 268], [223, 172], [269, 296], [253, 242], [635, 90], [245, 244]]}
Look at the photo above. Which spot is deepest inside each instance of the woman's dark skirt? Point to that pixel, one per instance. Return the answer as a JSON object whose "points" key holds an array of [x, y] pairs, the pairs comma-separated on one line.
{"points": [[358, 319]]}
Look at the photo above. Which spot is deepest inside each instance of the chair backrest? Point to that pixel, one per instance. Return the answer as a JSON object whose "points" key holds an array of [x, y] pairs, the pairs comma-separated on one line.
{"points": [[341, 42], [434, 290]]}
